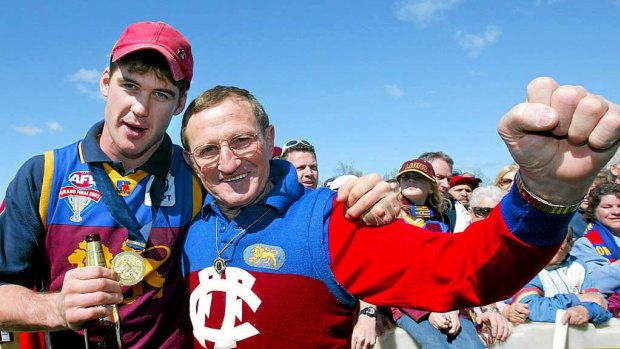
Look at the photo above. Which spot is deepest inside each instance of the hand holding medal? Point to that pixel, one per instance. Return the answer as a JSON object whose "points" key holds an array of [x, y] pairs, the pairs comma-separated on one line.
{"points": [[130, 266]]}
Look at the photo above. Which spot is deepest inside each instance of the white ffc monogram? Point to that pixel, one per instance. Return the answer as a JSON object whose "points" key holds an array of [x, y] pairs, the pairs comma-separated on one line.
{"points": [[238, 288]]}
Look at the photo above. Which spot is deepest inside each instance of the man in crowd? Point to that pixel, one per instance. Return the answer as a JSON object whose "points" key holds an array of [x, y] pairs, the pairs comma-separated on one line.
{"points": [[442, 165], [460, 189], [127, 182], [301, 154], [265, 250]]}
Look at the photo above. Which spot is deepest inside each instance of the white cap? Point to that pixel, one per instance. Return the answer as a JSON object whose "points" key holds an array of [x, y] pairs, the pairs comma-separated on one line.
{"points": [[340, 181]]}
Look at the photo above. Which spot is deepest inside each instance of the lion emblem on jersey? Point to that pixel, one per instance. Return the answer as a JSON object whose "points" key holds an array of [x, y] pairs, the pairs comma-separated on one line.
{"points": [[264, 256]]}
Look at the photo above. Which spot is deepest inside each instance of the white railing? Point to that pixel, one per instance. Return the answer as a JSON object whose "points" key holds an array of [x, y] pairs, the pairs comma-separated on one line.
{"points": [[529, 335]]}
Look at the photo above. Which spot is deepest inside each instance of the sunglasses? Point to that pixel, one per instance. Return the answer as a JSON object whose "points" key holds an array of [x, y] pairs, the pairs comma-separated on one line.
{"points": [[482, 212], [295, 142], [505, 181]]}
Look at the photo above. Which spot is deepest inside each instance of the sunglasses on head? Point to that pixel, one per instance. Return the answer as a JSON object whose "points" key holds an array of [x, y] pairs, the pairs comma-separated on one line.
{"points": [[295, 142]]}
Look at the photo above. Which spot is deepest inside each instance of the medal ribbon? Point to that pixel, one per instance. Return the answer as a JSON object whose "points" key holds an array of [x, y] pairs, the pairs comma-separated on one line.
{"points": [[137, 234]]}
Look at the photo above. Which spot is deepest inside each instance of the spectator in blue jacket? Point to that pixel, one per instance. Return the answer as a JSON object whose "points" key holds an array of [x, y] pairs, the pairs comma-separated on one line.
{"points": [[563, 284]]}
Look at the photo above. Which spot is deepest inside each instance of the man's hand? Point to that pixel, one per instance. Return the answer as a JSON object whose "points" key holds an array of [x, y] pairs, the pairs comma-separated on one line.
{"points": [[439, 320], [83, 290], [561, 137], [447, 322], [364, 333], [577, 315], [516, 313], [455, 322], [370, 198], [498, 325]]}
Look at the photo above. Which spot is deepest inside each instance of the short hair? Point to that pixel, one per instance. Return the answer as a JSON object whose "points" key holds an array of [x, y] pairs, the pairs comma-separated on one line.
{"points": [[217, 95], [492, 192], [298, 147], [595, 196], [149, 61], [431, 156]]}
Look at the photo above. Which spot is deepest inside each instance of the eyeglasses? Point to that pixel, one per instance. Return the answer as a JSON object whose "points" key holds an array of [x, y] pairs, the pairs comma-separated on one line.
{"points": [[482, 212], [295, 142], [240, 145], [505, 181]]}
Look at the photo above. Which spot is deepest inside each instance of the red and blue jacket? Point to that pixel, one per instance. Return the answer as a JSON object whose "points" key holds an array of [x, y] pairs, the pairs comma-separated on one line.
{"points": [[292, 279]]}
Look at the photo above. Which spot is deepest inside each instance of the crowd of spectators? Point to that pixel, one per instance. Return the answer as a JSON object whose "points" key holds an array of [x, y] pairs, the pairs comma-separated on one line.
{"points": [[583, 280]]}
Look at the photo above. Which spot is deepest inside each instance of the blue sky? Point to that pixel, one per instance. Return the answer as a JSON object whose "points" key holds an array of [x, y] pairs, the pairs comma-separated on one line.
{"points": [[371, 83]]}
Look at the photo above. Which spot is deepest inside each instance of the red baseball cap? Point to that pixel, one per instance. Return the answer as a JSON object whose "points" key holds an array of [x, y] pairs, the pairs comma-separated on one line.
{"points": [[473, 182], [277, 151], [163, 38]]}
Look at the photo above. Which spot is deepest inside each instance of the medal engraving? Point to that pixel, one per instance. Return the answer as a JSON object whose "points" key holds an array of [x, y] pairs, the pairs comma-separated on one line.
{"points": [[220, 265], [130, 266]]}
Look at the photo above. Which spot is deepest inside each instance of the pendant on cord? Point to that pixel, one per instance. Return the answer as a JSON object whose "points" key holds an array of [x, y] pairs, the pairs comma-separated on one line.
{"points": [[220, 265]]}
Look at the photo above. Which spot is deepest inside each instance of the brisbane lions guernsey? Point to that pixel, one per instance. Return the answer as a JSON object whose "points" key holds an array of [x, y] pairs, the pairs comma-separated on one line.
{"points": [[70, 206]]}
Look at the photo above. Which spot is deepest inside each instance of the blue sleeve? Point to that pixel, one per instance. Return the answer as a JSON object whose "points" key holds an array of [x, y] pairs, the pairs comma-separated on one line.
{"points": [[598, 315], [22, 236], [544, 308], [604, 276], [532, 225]]}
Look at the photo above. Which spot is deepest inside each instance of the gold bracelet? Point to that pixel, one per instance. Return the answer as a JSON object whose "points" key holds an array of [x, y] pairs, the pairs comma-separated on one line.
{"points": [[541, 203]]}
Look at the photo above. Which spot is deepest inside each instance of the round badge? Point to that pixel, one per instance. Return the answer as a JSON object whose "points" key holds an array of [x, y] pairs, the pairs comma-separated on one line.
{"points": [[130, 266], [220, 265]]}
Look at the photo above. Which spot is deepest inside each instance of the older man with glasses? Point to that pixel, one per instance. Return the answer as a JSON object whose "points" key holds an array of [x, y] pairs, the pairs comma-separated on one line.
{"points": [[271, 264]]}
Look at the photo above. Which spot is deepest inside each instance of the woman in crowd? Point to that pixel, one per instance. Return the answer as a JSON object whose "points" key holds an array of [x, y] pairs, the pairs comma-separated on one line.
{"points": [[422, 206], [506, 176], [599, 248]]}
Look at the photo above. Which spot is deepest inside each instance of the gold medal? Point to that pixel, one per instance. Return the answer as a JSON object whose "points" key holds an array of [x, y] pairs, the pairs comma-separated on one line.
{"points": [[131, 266]]}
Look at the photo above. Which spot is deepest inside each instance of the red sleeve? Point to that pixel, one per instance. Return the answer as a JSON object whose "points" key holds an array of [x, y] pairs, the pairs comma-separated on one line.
{"points": [[406, 266]]}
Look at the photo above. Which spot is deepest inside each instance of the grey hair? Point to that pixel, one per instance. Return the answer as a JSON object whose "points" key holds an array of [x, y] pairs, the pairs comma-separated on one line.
{"points": [[492, 192]]}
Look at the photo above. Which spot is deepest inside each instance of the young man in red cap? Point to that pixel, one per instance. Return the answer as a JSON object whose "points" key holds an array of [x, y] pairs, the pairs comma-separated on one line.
{"points": [[141, 177], [144, 198]]}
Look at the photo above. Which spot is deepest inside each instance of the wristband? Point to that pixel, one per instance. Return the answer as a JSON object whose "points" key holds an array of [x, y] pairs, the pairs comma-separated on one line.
{"points": [[541, 203]]}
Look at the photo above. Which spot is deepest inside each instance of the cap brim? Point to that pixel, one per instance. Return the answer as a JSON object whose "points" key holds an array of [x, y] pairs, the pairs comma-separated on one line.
{"points": [[416, 171], [474, 182]]}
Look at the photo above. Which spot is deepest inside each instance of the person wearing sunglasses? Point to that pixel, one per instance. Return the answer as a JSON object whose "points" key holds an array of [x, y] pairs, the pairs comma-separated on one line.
{"points": [[422, 206], [482, 201], [301, 154], [505, 177], [493, 326]]}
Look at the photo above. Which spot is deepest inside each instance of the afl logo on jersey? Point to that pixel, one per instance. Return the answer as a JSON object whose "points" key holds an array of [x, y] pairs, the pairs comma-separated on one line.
{"points": [[80, 195], [82, 179]]}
